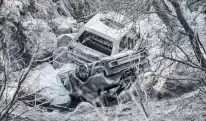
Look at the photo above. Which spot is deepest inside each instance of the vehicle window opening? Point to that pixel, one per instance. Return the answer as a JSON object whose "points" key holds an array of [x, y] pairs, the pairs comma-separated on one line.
{"points": [[97, 43], [126, 43]]}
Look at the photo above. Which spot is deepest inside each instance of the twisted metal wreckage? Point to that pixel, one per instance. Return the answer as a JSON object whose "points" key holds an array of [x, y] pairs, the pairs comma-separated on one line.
{"points": [[105, 56]]}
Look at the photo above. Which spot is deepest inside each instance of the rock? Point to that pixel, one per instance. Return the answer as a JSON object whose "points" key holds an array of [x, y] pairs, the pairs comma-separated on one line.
{"points": [[60, 54], [43, 9], [60, 57], [83, 107], [63, 29], [75, 30], [13, 10], [194, 5], [178, 87], [80, 25], [26, 35], [64, 39], [44, 82], [85, 111], [63, 25], [40, 38]]}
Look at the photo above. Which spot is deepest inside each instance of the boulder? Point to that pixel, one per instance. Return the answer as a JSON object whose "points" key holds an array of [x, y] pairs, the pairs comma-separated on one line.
{"points": [[80, 25], [44, 82], [64, 39], [85, 111], [40, 38], [12, 10], [60, 54], [26, 34], [177, 87], [63, 25], [60, 57], [43, 9], [83, 107], [181, 81]]}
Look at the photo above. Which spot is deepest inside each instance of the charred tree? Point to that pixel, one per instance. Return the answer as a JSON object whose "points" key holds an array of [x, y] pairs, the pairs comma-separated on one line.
{"points": [[192, 38], [162, 10], [164, 13]]}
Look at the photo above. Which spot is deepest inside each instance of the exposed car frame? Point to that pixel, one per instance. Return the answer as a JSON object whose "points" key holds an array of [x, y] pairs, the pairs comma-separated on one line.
{"points": [[98, 69]]}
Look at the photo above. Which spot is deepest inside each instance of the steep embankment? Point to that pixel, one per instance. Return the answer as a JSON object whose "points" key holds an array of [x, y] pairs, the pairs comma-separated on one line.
{"points": [[188, 107]]}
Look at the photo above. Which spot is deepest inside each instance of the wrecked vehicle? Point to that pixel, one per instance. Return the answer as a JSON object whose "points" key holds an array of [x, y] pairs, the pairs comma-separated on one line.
{"points": [[105, 57]]}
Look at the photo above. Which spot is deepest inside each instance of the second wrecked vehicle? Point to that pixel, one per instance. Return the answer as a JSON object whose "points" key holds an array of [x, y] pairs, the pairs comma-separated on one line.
{"points": [[105, 57]]}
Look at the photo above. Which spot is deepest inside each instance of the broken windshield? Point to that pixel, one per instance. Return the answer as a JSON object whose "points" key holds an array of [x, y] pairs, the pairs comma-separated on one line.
{"points": [[97, 43]]}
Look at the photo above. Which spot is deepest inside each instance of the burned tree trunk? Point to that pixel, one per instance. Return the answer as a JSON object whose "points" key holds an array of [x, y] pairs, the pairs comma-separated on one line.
{"points": [[162, 11], [192, 38], [1, 2], [164, 14]]}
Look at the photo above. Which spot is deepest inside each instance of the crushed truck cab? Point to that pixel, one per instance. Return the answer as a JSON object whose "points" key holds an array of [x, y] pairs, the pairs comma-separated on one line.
{"points": [[106, 34], [105, 55]]}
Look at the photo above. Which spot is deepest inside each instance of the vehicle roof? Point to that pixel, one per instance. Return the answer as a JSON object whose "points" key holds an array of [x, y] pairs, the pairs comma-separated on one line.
{"points": [[96, 24]]}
